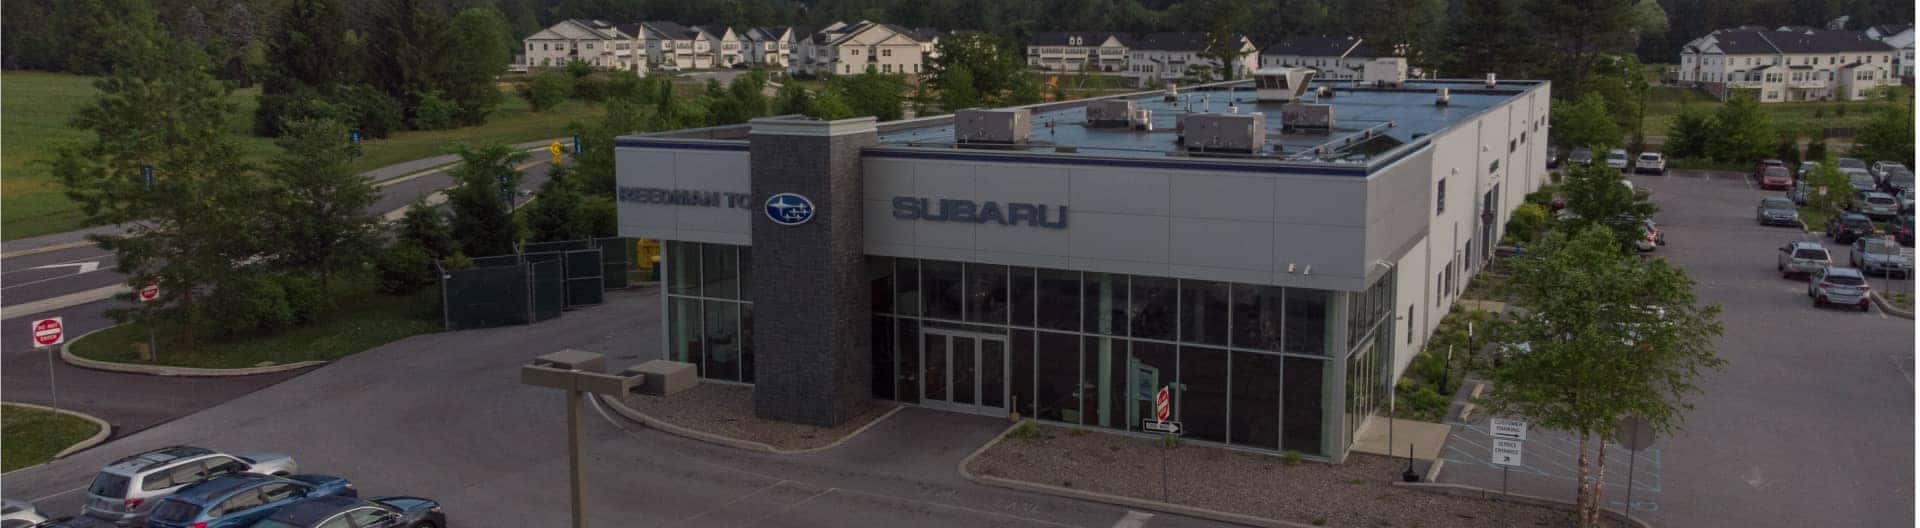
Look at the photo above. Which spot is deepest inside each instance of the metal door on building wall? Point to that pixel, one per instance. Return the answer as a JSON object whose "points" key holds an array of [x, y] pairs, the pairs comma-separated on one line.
{"points": [[963, 371]]}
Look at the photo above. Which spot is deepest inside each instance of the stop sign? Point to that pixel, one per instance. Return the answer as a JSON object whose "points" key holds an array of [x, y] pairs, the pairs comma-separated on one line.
{"points": [[150, 292], [1162, 407], [48, 332]]}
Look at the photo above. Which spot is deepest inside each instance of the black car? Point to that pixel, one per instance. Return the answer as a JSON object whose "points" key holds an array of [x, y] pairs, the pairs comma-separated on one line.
{"points": [[1901, 227], [1846, 227], [349, 512]]}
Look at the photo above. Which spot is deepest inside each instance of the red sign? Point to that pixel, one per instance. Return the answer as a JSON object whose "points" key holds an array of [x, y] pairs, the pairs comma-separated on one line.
{"points": [[150, 292], [1162, 404], [48, 332]]}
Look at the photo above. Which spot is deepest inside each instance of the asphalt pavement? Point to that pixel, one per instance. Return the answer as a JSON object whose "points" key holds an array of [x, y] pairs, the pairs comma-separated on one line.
{"points": [[444, 416], [1811, 423]]}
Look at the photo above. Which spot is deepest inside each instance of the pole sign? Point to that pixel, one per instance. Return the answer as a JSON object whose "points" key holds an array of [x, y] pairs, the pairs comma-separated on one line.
{"points": [[1162, 404], [1156, 426], [577, 147], [1509, 429], [48, 332], [1506, 452], [146, 174], [353, 136], [555, 149], [150, 292]]}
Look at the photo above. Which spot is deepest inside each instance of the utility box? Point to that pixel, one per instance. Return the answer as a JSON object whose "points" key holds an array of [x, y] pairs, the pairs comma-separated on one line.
{"points": [[663, 378], [992, 126], [1111, 113], [1307, 116], [1232, 133], [1386, 72]]}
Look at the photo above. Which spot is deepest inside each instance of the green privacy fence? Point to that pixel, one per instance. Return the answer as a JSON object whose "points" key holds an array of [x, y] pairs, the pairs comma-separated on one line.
{"points": [[534, 285]]}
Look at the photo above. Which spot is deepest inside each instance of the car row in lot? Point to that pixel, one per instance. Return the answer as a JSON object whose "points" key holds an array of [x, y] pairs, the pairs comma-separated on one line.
{"points": [[1838, 286], [194, 487]]}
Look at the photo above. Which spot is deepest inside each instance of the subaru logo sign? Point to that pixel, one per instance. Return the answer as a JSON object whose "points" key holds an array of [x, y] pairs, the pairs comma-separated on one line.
{"points": [[789, 209]]}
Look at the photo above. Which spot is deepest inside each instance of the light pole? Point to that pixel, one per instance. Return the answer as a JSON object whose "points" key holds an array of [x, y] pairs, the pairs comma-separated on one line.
{"points": [[577, 372]]}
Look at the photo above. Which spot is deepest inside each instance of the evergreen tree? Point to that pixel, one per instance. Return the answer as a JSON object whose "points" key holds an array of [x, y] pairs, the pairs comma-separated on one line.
{"points": [[319, 219], [1742, 131], [559, 213], [1482, 38], [484, 182], [311, 52], [1889, 136], [478, 51]]}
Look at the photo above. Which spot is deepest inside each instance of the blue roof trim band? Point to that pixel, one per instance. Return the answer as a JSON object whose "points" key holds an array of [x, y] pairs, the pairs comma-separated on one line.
{"points": [[740, 146], [1121, 162]]}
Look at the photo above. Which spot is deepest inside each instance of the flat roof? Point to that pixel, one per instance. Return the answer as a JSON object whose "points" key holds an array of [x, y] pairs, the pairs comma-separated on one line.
{"points": [[1395, 116]]}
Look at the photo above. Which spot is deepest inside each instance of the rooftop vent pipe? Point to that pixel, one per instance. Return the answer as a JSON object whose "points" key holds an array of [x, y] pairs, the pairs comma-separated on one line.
{"points": [[1491, 80]]}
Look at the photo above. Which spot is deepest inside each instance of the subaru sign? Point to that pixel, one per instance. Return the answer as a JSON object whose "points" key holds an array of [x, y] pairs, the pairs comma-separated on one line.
{"points": [[789, 209]]}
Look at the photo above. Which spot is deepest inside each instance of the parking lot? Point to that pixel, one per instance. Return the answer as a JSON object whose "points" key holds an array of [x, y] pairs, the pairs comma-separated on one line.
{"points": [[1811, 421]]}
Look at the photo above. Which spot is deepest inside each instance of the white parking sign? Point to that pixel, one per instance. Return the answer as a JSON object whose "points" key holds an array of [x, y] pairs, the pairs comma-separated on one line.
{"points": [[1508, 429], [1506, 452]]}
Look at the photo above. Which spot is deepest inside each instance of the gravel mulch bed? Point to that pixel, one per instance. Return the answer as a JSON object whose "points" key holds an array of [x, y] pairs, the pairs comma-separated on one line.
{"points": [[1356, 493], [727, 410]]}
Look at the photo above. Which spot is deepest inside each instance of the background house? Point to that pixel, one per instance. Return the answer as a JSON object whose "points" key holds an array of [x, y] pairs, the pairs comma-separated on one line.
{"points": [[1900, 37], [1158, 57], [1336, 58], [846, 49], [1073, 51], [594, 42], [1788, 64]]}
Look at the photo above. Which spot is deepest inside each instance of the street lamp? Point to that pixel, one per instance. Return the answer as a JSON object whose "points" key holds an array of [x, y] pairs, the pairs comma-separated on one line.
{"points": [[577, 372]]}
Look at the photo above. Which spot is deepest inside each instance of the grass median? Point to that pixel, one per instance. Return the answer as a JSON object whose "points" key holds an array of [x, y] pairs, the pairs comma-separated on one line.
{"points": [[33, 436], [360, 322]]}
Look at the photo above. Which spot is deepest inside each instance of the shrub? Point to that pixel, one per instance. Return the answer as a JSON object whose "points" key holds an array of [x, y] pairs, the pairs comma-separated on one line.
{"points": [[368, 109], [435, 112], [1026, 431], [405, 268], [625, 85], [578, 68], [307, 299], [548, 90], [1290, 457], [593, 87], [248, 303], [1527, 221]]}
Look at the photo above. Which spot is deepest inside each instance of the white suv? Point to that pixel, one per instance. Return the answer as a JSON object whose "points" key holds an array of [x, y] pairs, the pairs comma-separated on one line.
{"points": [[126, 490], [1651, 162], [1617, 160]]}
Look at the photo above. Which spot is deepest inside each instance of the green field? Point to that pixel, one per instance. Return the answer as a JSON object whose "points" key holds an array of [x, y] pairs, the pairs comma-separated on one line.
{"points": [[1667, 102], [360, 323], [35, 108], [33, 436]]}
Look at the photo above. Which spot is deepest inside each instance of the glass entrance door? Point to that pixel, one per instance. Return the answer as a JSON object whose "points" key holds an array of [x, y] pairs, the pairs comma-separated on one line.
{"points": [[963, 371]]}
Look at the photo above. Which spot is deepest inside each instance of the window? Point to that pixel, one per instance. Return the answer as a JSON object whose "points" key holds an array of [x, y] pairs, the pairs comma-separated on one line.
{"points": [[1409, 324], [278, 491], [1203, 312], [1440, 198], [1104, 303], [1512, 145], [942, 283], [1203, 380], [1154, 307], [1059, 377], [1493, 167], [855, 51], [986, 293], [338, 521], [221, 465], [1255, 404], [246, 500], [1302, 413], [886, 53], [367, 516]]}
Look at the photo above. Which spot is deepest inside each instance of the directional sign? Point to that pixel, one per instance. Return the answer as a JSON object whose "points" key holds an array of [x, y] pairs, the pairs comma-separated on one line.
{"points": [[48, 332], [555, 149], [1508, 429], [1162, 404], [150, 292], [1161, 426], [1506, 452], [146, 174]]}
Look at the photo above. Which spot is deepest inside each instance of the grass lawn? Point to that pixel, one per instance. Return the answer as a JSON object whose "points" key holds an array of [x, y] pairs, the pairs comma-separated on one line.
{"points": [[35, 108], [360, 323], [1902, 300], [33, 436], [1667, 102], [1814, 218]]}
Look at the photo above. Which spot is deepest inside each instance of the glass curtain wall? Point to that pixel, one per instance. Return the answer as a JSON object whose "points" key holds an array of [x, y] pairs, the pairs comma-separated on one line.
{"points": [[710, 309], [1369, 323], [1246, 365]]}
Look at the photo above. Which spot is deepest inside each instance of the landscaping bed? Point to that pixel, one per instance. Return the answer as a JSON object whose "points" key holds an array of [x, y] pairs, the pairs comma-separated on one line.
{"points": [[1357, 493], [33, 436], [360, 323], [727, 410]]}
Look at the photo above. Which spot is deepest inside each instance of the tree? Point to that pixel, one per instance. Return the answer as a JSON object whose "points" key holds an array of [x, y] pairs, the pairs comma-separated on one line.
{"points": [[1687, 136], [1220, 21], [1483, 37], [831, 105], [1596, 196], [1609, 336], [427, 228], [484, 183], [960, 94], [193, 27], [411, 37], [310, 53], [559, 213], [241, 49], [793, 99], [199, 218], [549, 89], [477, 52], [989, 64], [873, 94], [1828, 189], [1585, 123], [1888, 137], [319, 218], [1742, 131], [1574, 32]]}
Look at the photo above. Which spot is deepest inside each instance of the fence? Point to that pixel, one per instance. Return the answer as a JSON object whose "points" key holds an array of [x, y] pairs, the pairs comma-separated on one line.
{"points": [[534, 285]]}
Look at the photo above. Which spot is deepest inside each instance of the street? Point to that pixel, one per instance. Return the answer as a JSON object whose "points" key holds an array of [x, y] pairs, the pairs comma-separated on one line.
{"points": [[1810, 423], [444, 416]]}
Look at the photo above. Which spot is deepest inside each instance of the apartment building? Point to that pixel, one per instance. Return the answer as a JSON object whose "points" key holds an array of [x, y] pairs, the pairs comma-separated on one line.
{"points": [[1076, 51], [595, 42], [846, 49], [1155, 58], [1334, 58], [672, 46], [1788, 63], [770, 46], [1901, 38]]}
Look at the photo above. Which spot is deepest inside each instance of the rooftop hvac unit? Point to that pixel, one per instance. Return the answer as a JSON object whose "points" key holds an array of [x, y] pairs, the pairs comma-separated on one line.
{"points": [[1173, 92], [1232, 133], [1282, 83], [1444, 99], [1305, 115], [1385, 72], [1491, 80], [1109, 113], [992, 126]]}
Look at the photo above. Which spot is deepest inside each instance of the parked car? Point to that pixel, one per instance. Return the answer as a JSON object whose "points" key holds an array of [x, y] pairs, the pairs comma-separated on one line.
{"points": [[1617, 159], [1880, 168], [1896, 179], [1905, 196], [237, 501], [1850, 163], [1774, 177], [1860, 179], [1845, 227], [1837, 286], [1901, 228], [1650, 237], [1881, 256], [1553, 156], [1876, 205], [1802, 257], [1775, 210], [125, 491], [1762, 165], [1650, 162], [1798, 193], [337, 512], [1581, 156], [1806, 167], [20, 514]]}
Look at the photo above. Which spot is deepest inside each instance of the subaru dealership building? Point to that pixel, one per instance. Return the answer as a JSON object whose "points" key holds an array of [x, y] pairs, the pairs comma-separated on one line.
{"points": [[1272, 256]]}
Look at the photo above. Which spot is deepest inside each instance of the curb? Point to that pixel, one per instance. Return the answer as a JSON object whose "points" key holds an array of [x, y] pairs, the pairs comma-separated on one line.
{"points": [[1443, 488], [98, 436], [1888, 307], [66, 354], [1130, 502], [67, 301], [622, 409], [46, 249]]}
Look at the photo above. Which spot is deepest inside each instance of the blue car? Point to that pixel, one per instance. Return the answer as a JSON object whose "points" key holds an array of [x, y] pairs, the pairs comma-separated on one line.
{"points": [[349, 512], [237, 501]]}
